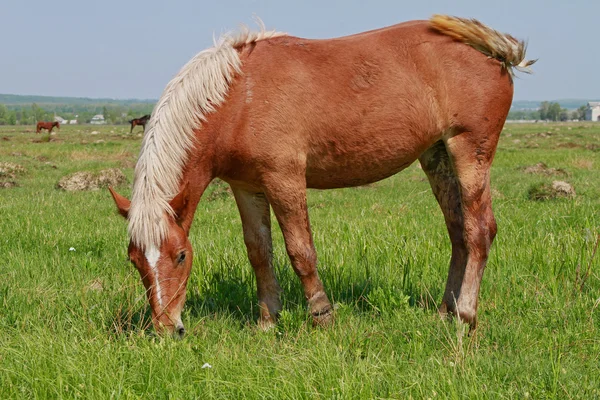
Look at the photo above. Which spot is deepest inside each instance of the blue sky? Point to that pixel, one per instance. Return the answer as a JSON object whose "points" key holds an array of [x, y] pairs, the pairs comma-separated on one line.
{"points": [[131, 49]]}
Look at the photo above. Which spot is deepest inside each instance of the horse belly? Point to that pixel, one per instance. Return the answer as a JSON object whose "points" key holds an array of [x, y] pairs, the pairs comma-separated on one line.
{"points": [[336, 165]]}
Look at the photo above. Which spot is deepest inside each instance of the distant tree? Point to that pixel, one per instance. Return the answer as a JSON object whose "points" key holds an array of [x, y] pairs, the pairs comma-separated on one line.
{"points": [[3, 114], [39, 113], [35, 110], [579, 113], [544, 108], [12, 118], [550, 111], [106, 114], [554, 112], [23, 117], [85, 117]]}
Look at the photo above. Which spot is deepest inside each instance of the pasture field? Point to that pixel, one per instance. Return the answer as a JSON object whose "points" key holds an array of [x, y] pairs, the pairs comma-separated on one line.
{"points": [[74, 320]]}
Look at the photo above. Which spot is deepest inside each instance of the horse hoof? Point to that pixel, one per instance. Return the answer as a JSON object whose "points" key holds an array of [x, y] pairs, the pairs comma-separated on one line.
{"points": [[443, 311], [467, 317], [266, 324], [323, 318]]}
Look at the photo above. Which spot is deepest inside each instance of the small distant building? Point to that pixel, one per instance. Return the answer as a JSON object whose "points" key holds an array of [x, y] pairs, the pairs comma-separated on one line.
{"points": [[98, 119], [592, 113], [60, 120], [72, 121]]}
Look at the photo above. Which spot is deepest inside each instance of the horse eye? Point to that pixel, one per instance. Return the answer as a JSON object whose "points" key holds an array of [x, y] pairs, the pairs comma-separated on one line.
{"points": [[181, 257]]}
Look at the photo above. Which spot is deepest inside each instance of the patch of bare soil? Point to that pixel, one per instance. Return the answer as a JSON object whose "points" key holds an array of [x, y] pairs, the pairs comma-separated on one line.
{"points": [[542, 169], [8, 184], [8, 174], [85, 180], [567, 145], [10, 170], [593, 147], [583, 164], [540, 134], [558, 189]]}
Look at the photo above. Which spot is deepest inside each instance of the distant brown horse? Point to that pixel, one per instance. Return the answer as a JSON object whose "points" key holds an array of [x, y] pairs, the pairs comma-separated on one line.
{"points": [[273, 115], [139, 121], [47, 126]]}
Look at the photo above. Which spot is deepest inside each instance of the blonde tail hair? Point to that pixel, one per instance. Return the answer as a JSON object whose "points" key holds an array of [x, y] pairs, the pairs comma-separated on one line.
{"points": [[503, 47]]}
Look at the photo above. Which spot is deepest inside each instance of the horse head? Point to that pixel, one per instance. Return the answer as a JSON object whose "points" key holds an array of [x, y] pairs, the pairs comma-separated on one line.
{"points": [[165, 267]]}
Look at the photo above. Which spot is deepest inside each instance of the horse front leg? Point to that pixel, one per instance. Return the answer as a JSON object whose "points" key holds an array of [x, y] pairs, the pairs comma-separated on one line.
{"points": [[256, 222], [287, 195]]}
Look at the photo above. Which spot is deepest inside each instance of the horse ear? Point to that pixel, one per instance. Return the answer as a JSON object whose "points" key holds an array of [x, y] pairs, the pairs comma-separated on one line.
{"points": [[123, 204], [179, 204]]}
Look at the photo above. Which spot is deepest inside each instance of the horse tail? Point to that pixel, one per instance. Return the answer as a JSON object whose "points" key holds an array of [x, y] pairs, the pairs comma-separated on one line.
{"points": [[503, 47]]}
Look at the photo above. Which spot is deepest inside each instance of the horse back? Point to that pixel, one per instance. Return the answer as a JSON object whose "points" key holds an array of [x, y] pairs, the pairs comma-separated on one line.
{"points": [[373, 101]]}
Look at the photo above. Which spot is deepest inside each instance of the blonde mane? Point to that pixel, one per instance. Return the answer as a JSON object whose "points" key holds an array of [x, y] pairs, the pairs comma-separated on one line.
{"points": [[199, 87]]}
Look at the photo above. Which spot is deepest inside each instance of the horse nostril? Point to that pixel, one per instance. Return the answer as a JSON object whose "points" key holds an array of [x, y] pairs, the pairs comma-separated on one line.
{"points": [[180, 331]]}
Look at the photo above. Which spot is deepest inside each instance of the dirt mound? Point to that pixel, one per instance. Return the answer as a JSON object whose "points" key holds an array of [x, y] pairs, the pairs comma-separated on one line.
{"points": [[567, 145], [558, 189], [8, 174], [592, 147], [540, 134], [542, 169], [8, 184], [85, 180], [10, 170]]}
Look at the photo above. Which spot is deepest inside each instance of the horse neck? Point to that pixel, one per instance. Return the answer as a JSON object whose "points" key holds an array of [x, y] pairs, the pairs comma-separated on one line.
{"points": [[198, 174]]}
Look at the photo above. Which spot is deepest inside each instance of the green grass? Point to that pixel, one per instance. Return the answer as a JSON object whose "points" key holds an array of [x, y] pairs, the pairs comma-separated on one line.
{"points": [[72, 323]]}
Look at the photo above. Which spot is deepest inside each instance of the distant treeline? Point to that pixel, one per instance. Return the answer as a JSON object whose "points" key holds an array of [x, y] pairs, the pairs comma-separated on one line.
{"points": [[114, 111], [549, 111], [17, 99], [27, 110]]}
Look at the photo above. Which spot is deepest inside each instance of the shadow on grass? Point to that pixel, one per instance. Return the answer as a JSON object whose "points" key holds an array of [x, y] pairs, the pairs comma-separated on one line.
{"points": [[132, 320], [231, 295], [236, 299]]}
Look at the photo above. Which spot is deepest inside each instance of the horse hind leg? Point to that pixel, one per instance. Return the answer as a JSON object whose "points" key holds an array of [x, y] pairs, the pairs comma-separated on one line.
{"points": [[472, 154], [256, 221], [458, 171]]}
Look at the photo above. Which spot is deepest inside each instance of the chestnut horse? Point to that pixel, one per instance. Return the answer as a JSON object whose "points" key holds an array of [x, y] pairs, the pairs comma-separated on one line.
{"points": [[139, 121], [47, 126], [273, 115]]}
